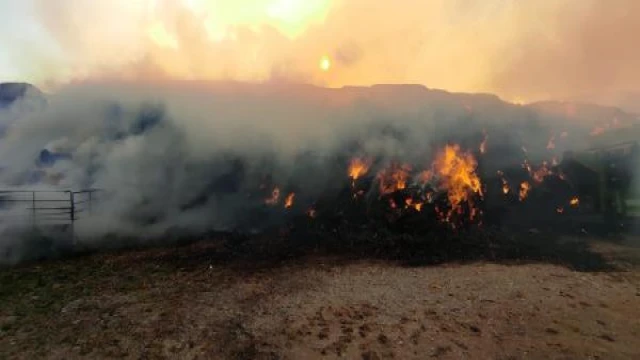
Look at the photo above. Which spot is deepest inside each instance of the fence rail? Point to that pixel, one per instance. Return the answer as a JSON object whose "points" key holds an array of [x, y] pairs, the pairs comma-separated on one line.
{"points": [[46, 207]]}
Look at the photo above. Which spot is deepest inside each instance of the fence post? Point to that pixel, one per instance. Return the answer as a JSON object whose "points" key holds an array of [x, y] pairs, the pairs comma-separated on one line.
{"points": [[73, 207], [33, 208]]}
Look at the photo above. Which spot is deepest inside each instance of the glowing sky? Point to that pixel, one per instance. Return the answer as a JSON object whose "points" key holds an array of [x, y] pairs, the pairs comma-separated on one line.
{"points": [[519, 49]]}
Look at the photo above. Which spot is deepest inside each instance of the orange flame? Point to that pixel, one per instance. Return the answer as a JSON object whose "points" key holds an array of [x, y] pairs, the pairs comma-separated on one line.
{"points": [[358, 167], [393, 178], [524, 190], [574, 202], [288, 201], [457, 170], [410, 203], [275, 196], [505, 184]]}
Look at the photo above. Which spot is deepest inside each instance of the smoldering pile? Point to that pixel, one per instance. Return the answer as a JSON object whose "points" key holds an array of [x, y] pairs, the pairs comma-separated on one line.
{"points": [[372, 163]]}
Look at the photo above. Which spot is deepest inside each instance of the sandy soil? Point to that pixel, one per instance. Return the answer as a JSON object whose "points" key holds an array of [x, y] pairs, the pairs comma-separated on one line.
{"points": [[182, 304]]}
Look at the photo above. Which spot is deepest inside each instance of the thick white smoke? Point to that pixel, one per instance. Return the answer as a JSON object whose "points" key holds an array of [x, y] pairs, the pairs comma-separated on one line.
{"points": [[193, 156]]}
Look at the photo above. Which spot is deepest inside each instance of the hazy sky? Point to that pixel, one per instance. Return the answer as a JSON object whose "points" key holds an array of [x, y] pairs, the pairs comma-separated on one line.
{"points": [[519, 49]]}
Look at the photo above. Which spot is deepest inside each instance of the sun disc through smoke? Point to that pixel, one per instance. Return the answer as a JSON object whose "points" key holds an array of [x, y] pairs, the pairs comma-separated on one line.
{"points": [[325, 63]]}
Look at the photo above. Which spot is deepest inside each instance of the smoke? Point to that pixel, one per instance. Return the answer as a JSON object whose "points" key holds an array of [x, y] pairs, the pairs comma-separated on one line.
{"points": [[199, 156], [525, 50], [583, 51]]}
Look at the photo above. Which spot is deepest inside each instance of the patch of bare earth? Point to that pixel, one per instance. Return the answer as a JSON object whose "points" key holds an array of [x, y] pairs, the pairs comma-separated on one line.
{"points": [[139, 305]]}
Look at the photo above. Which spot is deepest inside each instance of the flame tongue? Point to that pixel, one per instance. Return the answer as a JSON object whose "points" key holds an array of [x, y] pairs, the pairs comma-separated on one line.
{"points": [[358, 167], [288, 201], [458, 177], [394, 178], [457, 172]]}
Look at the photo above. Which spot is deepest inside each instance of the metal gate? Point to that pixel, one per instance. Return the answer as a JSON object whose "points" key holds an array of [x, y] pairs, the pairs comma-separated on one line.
{"points": [[45, 207]]}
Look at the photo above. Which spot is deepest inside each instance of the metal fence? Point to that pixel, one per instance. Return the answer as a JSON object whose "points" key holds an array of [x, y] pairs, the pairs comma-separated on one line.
{"points": [[44, 207]]}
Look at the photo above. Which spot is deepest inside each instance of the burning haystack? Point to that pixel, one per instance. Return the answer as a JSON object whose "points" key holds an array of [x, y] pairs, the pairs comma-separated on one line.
{"points": [[245, 159]]}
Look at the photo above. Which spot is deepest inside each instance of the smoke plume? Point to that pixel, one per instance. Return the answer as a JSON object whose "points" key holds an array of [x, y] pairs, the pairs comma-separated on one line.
{"points": [[200, 156], [520, 50]]}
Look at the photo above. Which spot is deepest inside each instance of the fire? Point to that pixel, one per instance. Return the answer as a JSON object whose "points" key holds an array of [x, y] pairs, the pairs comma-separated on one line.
{"points": [[505, 184], [394, 178], [457, 170], [357, 168], [410, 203], [524, 190], [574, 202], [539, 174], [275, 196], [288, 201]]}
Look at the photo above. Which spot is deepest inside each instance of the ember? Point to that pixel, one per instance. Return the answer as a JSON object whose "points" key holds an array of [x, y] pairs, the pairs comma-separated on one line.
{"points": [[505, 184], [524, 190], [275, 197], [288, 201], [574, 202]]}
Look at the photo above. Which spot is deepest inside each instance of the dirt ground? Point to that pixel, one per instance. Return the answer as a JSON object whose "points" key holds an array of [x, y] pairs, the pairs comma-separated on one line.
{"points": [[182, 303]]}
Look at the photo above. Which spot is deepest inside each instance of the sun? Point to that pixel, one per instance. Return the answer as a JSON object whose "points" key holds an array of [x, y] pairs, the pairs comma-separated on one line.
{"points": [[325, 63]]}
